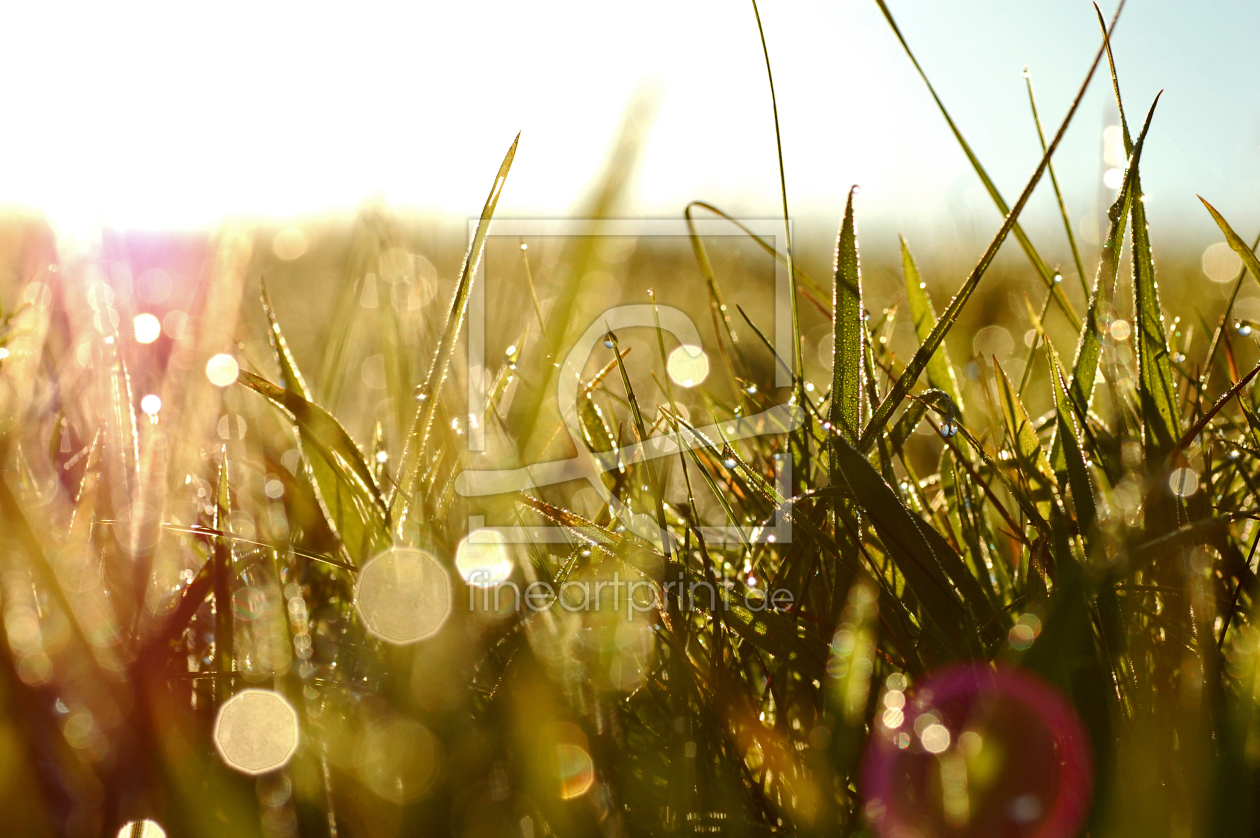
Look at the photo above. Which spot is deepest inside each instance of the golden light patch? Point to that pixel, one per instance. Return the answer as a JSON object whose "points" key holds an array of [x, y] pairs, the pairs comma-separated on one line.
{"points": [[256, 731], [403, 595]]}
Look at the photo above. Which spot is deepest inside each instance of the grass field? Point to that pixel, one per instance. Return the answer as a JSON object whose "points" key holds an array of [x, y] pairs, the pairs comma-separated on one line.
{"points": [[241, 597]]}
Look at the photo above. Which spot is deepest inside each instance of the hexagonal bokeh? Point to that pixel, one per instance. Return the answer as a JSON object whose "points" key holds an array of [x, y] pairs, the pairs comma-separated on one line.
{"points": [[404, 595], [256, 731]]}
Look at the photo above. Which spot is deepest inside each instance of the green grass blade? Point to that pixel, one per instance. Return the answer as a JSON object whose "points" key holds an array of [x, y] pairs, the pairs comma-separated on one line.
{"points": [[847, 381], [343, 483], [1223, 323], [1089, 345], [224, 567], [1157, 394], [409, 469], [798, 358], [722, 327], [290, 375], [815, 288], [1058, 194], [1083, 498], [940, 371], [1032, 457], [902, 533], [1247, 254]]}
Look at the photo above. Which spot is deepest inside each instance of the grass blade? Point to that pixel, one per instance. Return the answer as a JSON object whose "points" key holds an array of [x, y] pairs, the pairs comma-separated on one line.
{"points": [[902, 533], [1089, 345], [1078, 473], [343, 483], [1058, 194], [940, 371], [1032, 457], [847, 381], [1157, 394], [1247, 254], [409, 464], [290, 376]]}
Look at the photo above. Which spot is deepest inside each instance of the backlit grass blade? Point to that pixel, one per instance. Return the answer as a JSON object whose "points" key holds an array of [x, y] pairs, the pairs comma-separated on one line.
{"points": [[343, 483], [1157, 394], [1247, 254], [902, 533], [1035, 465], [1078, 472], [290, 376], [934, 339], [847, 380], [642, 434], [1221, 326], [1058, 193], [1089, 344], [798, 357], [224, 572], [717, 305], [814, 287], [940, 371], [409, 465]]}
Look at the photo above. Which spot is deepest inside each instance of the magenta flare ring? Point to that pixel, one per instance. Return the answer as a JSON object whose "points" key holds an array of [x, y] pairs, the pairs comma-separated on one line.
{"points": [[954, 693]]}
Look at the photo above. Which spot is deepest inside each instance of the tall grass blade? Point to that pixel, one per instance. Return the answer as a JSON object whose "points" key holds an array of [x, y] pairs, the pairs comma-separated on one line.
{"points": [[847, 382], [940, 371], [1058, 193], [1089, 345], [290, 376], [909, 547], [1157, 394], [1236, 244], [343, 482], [1034, 464], [409, 468], [1083, 498], [798, 357]]}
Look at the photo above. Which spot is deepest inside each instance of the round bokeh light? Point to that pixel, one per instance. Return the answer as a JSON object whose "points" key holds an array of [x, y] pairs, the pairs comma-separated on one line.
{"points": [[256, 731], [403, 595], [148, 328], [222, 370], [978, 751], [142, 829], [483, 558], [687, 366]]}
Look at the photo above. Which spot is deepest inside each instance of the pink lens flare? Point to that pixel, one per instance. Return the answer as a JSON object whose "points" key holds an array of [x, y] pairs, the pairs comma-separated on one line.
{"points": [[978, 751]]}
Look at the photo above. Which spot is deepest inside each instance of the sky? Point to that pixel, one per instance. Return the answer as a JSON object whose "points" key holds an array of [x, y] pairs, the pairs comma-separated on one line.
{"points": [[174, 115]]}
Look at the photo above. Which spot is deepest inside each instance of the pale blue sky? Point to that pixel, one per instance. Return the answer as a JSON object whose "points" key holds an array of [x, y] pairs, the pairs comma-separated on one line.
{"points": [[156, 115]]}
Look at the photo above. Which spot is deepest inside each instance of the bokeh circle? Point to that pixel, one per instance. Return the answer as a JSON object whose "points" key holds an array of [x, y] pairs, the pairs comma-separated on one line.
{"points": [[978, 751]]}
